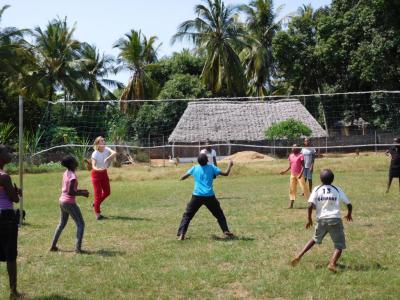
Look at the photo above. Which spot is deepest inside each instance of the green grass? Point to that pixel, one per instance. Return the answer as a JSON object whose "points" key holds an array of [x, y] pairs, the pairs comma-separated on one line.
{"points": [[135, 254]]}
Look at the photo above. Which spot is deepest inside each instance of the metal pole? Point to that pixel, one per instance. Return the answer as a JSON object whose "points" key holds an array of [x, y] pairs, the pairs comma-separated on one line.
{"points": [[149, 145], [163, 151], [21, 154], [376, 149]]}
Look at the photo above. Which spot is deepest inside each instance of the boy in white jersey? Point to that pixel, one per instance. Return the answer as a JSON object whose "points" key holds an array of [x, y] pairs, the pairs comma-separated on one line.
{"points": [[326, 200]]}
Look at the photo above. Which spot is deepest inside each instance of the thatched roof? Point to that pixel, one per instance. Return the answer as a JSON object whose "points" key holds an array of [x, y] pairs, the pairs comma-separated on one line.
{"points": [[238, 121]]}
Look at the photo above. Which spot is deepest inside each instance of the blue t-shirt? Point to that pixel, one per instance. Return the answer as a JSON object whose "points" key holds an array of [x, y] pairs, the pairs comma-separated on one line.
{"points": [[203, 179]]}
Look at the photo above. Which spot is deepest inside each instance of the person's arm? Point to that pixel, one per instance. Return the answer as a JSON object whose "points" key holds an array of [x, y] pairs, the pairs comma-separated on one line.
{"points": [[309, 215], [215, 160], [284, 172], [94, 167], [302, 169], [11, 191], [186, 176], [228, 170], [313, 160], [111, 156], [349, 217], [73, 192]]}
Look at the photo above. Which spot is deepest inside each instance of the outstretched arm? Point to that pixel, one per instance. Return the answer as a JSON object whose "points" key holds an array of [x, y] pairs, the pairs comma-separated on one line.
{"points": [[283, 172], [228, 170], [111, 156], [186, 176]]}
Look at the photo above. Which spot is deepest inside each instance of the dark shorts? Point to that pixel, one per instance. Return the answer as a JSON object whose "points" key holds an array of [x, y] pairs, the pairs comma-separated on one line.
{"points": [[335, 229], [8, 235]]}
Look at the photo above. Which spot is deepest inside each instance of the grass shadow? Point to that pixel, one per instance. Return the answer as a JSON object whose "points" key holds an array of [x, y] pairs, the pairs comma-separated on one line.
{"points": [[357, 267], [235, 238], [127, 218], [51, 297], [104, 253]]}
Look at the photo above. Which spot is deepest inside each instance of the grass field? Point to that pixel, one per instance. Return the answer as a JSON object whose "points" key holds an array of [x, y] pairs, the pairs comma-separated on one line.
{"points": [[135, 255]]}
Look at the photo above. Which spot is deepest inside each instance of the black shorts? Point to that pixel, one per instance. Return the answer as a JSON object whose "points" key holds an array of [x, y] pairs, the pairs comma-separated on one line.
{"points": [[8, 235]]}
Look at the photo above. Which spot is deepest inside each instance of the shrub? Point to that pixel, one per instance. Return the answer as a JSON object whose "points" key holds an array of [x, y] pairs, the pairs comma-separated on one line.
{"points": [[289, 129], [142, 157]]}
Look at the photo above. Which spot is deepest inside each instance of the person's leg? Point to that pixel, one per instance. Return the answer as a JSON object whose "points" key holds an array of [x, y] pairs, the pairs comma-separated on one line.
{"points": [[319, 234], [295, 261], [76, 215], [63, 221], [292, 190], [12, 275], [97, 191], [336, 231], [304, 187], [191, 209], [389, 183], [214, 207], [105, 186]]}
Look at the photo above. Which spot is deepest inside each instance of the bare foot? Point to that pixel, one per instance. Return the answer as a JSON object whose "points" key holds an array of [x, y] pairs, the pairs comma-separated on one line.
{"points": [[295, 261], [332, 268], [181, 237]]}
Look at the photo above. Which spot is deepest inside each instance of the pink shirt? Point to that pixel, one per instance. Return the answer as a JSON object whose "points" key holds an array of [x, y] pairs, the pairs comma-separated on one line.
{"points": [[296, 163], [66, 181]]}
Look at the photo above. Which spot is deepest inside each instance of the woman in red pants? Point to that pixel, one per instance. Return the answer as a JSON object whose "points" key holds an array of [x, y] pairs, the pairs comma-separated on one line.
{"points": [[101, 159]]}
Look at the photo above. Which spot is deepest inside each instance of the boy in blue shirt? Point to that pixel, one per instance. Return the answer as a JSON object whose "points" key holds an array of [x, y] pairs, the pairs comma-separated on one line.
{"points": [[203, 193]]}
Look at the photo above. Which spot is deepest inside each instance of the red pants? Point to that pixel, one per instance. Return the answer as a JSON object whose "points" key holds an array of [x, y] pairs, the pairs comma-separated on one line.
{"points": [[101, 186]]}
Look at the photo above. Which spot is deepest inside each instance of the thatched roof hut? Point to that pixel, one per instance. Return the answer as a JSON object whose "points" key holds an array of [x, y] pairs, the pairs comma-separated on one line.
{"points": [[238, 121]]}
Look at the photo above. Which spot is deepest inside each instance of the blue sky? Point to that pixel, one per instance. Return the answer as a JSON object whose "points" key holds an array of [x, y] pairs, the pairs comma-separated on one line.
{"points": [[102, 22]]}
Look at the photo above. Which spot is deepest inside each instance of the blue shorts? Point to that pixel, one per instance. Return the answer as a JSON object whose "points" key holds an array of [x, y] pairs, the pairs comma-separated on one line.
{"points": [[307, 173]]}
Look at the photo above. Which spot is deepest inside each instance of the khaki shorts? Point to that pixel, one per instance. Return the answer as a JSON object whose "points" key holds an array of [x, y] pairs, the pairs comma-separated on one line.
{"points": [[335, 229]]}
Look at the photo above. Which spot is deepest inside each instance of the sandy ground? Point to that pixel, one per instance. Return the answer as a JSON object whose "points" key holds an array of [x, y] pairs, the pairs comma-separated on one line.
{"points": [[248, 156]]}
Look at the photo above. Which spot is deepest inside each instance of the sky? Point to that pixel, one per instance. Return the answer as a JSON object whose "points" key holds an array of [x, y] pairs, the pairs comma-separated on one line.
{"points": [[102, 22]]}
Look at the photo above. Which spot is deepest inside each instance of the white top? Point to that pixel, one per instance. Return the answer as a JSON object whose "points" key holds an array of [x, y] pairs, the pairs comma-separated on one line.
{"points": [[99, 157], [326, 200], [210, 155], [309, 154]]}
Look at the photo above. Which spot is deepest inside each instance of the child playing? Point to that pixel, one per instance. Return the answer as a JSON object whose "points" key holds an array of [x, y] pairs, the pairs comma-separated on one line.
{"points": [[296, 167], [394, 169], [9, 194], [325, 199], [68, 204], [203, 193]]}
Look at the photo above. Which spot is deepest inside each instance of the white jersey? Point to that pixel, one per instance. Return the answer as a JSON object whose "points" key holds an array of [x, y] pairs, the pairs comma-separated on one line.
{"points": [[210, 155], [99, 157], [326, 199]]}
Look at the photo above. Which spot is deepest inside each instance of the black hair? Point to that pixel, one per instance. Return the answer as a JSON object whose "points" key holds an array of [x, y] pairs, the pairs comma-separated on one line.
{"points": [[327, 176], [3, 149], [5, 154], [202, 159], [69, 161]]}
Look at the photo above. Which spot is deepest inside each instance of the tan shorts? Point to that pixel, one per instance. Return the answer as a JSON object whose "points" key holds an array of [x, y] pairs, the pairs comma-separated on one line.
{"points": [[335, 229]]}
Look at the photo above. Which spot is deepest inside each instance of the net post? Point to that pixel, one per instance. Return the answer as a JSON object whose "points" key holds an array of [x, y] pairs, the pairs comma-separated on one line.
{"points": [[149, 144], [376, 142], [163, 151], [21, 153]]}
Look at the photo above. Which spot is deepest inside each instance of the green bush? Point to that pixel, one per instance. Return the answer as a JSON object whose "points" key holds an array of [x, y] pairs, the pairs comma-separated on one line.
{"points": [[63, 135], [13, 168], [142, 157], [289, 129]]}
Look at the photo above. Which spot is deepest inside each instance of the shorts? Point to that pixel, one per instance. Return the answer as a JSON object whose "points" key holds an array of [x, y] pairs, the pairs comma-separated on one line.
{"points": [[307, 173], [335, 229], [8, 235]]}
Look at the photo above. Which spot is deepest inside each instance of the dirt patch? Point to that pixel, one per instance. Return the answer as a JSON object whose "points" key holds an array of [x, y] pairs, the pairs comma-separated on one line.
{"points": [[248, 156]]}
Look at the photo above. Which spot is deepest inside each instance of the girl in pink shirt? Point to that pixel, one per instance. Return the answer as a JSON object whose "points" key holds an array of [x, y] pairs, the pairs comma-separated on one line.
{"points": [[296, 167], [68, 205]]}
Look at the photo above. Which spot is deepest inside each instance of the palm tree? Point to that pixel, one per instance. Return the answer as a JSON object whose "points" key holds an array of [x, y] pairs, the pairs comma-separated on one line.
{"points": [[137, 53], [257, 56], [12, 49], [217, 33], [57, 60], [97, 68]]}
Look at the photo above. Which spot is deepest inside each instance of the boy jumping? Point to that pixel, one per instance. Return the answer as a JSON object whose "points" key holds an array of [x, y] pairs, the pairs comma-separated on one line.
{"points": [[203, 193], [325, 199]]}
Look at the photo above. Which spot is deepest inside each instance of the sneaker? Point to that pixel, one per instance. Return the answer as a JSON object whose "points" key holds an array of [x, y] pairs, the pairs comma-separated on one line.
{"points": [[100, 217], [229, 234], [53, 249]]}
